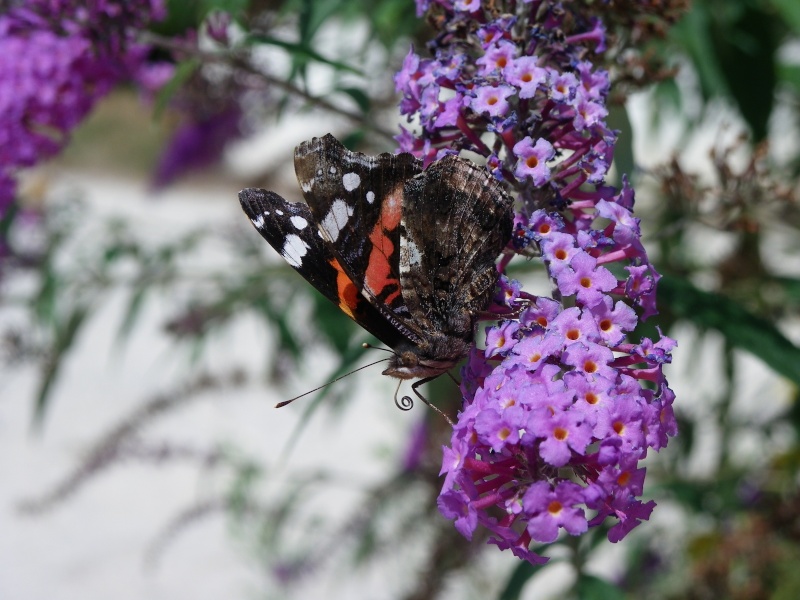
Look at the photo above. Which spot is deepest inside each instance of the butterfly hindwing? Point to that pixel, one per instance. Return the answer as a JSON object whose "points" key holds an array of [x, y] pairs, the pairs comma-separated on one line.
{"points": [[456, 221], [291, 229]]}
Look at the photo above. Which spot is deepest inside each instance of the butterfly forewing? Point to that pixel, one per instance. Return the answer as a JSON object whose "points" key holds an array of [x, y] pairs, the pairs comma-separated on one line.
{"points": [[357, 201], [291, 229]]}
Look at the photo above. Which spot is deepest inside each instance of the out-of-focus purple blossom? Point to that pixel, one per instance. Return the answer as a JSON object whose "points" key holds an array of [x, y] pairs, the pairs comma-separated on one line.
{"points": [[57, 59], [415, 451], [559, 409], [197, 143], [217, 24]]}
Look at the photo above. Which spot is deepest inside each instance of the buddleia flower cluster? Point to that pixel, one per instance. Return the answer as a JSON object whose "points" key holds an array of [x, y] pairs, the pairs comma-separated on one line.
{"points": [[57, 59], [560, 408]]}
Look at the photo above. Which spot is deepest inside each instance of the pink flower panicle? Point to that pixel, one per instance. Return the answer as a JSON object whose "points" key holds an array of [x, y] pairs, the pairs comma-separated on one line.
{"points": [[559, 409]]}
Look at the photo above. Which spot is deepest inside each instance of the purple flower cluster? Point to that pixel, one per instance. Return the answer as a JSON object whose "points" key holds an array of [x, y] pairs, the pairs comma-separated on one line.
{"points": [[559, 408], [57, 58]]}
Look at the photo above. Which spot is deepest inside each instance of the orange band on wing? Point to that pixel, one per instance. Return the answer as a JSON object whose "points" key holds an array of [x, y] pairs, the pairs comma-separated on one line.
{"points": [[378, 275], [346, 290]]}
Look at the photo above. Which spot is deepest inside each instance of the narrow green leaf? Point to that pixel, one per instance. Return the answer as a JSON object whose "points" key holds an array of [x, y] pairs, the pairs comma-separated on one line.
{"points": [[746, 51], [789, 11], [791, 289], [623, 150], [517, 581], [313, 14], [234, 7], [790, 74], [361, 98], [66, 332], [741, 328], [693, 34], [302, 52], [132, 312], [589, 587]]}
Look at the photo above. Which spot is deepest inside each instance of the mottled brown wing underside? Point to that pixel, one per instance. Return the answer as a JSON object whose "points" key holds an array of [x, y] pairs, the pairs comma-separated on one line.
{"points": [[456, 221]]}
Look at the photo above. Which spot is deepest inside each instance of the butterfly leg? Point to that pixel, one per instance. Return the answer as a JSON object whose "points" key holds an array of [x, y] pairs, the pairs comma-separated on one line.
{"points": [[406, 403]]}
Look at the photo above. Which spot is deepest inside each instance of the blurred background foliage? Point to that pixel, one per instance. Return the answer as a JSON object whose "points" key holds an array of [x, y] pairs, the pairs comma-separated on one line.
{"points": [[722, 229]]}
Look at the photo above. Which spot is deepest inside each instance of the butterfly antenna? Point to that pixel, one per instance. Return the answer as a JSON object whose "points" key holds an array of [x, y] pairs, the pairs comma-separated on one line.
{"points": [[367, 346], [372, 364]]}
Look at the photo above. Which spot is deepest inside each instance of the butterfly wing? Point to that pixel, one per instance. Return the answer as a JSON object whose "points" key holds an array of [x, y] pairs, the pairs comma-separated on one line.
{"points": [[457, 219], [357, 202], [292, 230]]}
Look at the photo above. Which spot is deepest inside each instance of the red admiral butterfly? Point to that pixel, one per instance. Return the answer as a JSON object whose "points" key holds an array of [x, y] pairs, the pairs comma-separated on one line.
{"points": [[408, 253]]}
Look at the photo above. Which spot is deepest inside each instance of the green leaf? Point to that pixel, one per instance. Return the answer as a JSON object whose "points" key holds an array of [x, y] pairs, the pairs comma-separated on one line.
{"points": [[790, 74], [623, 150], [313, 14], [746, 49], [234, 7], [692, 33], [66, 332], [741, 328], [132, 312], [301, 52], [789, 11], [518, 579], [589, 587], [791, 289], [361, 98]]}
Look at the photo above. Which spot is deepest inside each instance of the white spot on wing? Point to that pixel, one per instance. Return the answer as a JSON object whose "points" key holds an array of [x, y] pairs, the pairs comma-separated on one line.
{"points": [[411, 253], [258, 222], [351, 181], [336, 219], [294, 249], [306, 186], [332, 170], [279, 212], [299, 222], [370, 196]]}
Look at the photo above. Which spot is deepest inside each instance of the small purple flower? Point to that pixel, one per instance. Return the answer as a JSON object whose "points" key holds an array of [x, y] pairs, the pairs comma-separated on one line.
{"points": [[532, 159], [492, 100], [593, 360], [586, 280], [563, 86], [562, 433], [612, 324], [533, 352], [554, 508], [558, 250], [499, 340], [525, 74], [469, 6], [497, 58]]}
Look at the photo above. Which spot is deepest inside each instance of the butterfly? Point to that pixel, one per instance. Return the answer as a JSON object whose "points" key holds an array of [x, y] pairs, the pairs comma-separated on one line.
{"points": [[408, 253]]}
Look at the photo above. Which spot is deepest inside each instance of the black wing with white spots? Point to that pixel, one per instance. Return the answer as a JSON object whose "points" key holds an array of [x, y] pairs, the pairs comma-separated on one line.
{"points": [[291, 229], [357, 202]]}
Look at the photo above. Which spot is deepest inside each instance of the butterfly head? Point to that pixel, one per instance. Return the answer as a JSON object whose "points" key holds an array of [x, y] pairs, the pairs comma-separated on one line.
{"points": [[412, 362]]}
